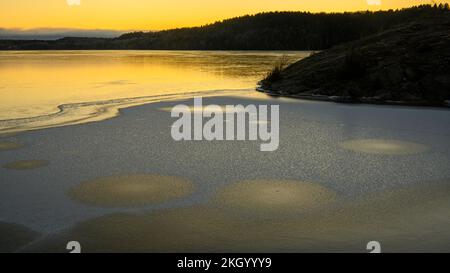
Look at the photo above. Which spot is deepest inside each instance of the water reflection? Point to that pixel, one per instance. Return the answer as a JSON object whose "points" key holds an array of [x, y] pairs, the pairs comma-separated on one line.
{"points": [[35, 83]]}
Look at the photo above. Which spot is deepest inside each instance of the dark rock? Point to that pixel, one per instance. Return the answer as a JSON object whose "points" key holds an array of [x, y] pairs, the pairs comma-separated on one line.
{"points": [[408, 63]]}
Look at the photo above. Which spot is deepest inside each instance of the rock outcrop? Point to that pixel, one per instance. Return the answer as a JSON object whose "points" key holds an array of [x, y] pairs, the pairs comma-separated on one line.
{"points": [[407, 64]]}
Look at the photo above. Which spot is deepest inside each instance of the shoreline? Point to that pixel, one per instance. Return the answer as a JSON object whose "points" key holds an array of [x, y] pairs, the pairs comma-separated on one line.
{"points": [[87, 112], [347, 100]]}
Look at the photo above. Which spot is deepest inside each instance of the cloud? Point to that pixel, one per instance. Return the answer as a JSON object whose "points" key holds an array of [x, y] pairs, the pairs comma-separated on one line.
{"points": [[374, 2], [73, 2], [56, 33]]}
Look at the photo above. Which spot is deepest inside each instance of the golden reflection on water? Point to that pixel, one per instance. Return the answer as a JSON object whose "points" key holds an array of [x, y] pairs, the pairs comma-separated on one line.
{"points": [[35, 83]]}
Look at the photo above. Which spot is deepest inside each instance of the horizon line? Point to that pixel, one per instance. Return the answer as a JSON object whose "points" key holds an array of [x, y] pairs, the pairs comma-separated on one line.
{"points": [[210, 23], [55, 33]]}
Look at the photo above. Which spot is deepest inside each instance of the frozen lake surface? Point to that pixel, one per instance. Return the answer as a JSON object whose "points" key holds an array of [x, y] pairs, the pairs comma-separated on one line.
{"points": [[343, 174]]}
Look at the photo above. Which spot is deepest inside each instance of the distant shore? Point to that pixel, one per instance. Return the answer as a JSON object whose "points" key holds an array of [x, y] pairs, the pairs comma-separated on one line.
{"points": [[281, 30]]}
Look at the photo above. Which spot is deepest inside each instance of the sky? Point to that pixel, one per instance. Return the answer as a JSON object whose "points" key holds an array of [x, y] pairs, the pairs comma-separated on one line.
{"points": [[161, 14]]}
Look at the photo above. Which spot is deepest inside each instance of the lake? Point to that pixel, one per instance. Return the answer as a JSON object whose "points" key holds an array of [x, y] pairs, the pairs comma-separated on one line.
{"points": [[34, 83], [343, 175]]}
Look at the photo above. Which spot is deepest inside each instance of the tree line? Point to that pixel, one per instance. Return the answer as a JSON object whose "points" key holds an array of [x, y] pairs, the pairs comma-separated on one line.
{"points": [[263, 31]]}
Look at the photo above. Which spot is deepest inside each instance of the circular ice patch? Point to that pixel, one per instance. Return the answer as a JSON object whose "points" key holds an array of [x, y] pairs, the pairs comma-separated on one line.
{"points": [[26, 164], [130, 190], [276, 196], [383, 146], [8, 145]]}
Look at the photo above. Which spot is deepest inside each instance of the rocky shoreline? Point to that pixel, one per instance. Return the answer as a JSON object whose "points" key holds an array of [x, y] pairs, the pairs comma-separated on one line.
{"points": [[407, 65], [346, 99]]}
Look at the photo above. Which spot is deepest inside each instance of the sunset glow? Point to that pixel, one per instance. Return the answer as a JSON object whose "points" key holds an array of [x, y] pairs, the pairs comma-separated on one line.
{"points": [[162, 14]]}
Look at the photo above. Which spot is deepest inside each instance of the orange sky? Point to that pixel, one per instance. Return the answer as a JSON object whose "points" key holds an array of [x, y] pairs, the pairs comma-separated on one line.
{"points": [[161, 14]]}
